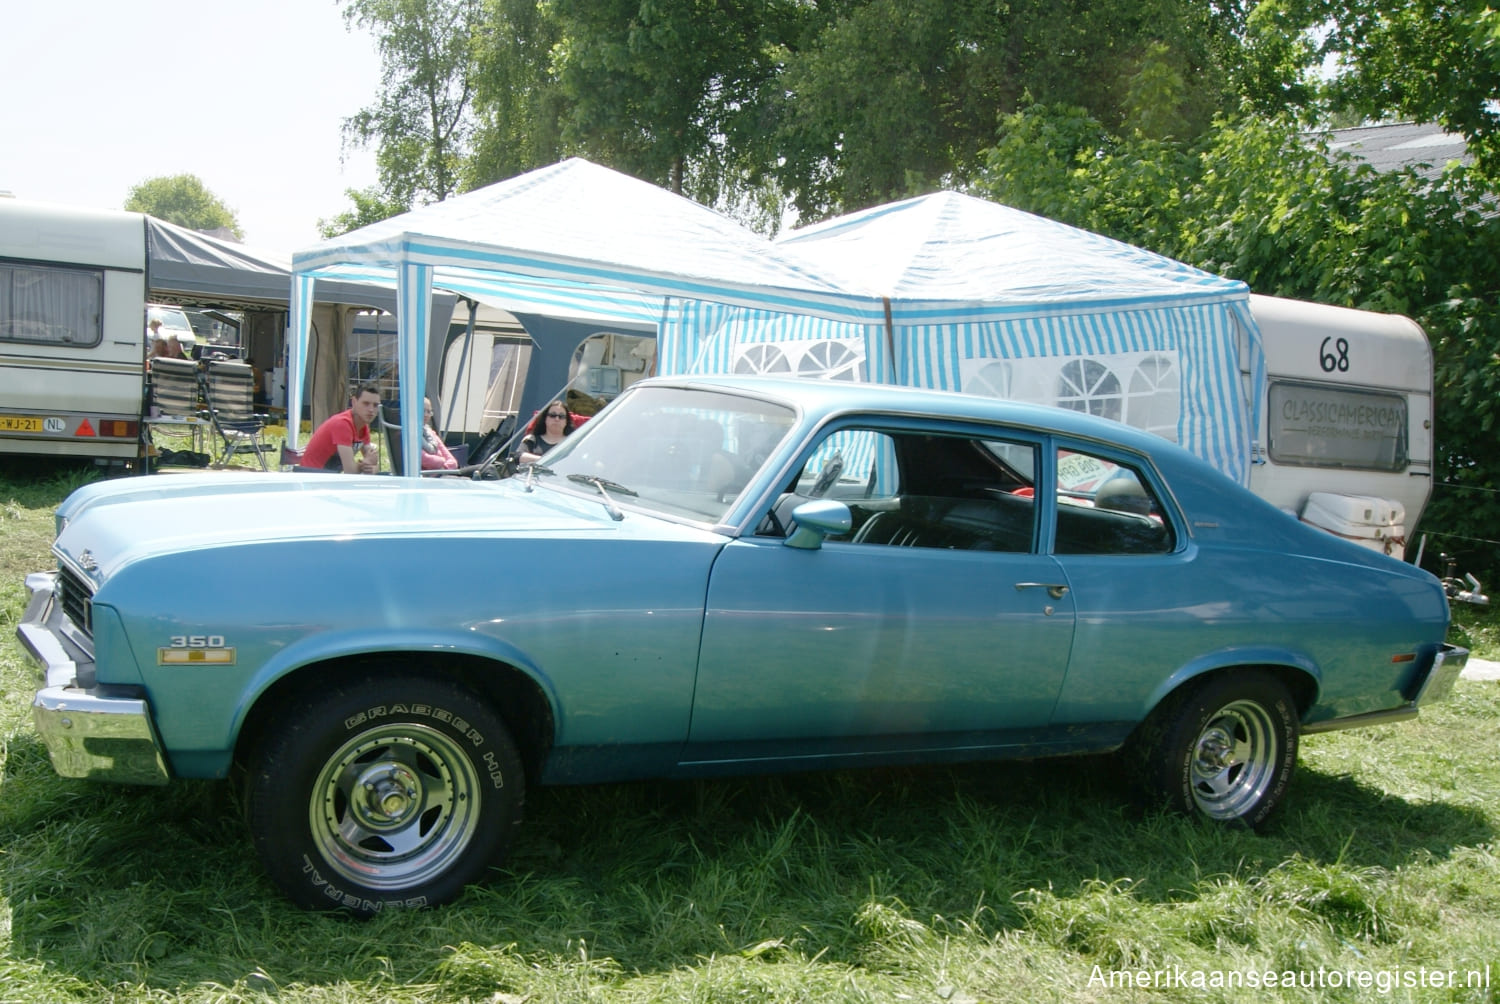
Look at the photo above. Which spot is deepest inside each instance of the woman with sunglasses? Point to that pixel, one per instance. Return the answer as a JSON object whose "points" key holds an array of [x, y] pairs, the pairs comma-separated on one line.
{"points": [[549, 427]]}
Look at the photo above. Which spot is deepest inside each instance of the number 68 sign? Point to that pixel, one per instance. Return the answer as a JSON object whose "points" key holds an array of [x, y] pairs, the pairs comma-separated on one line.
{"points": [[1338, 359]]}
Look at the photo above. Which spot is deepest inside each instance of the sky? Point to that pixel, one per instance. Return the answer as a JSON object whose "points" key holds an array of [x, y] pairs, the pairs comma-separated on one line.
{"points": [[100, 96]]}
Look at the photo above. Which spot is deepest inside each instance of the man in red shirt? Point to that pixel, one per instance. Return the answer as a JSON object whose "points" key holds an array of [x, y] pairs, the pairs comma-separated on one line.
{"points": [[342, 443]]}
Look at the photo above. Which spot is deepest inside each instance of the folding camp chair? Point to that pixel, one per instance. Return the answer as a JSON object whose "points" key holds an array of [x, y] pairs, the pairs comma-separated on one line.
{"points": [[230, 390], [174, 397], [390, 424]]}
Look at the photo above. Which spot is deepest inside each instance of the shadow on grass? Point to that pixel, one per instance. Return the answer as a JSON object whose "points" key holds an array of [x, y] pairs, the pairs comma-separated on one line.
{"points": [[161, 886]]}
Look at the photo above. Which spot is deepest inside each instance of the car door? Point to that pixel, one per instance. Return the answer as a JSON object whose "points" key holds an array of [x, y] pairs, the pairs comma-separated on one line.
{"points": [[935, 623], [1146, 606]]}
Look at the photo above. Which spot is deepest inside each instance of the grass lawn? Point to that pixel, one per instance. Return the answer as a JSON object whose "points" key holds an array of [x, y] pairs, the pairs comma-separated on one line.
{"points": [[1011, 882]]}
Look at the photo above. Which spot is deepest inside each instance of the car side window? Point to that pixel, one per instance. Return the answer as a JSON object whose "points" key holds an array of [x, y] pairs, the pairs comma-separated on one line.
{"points": [[1107, 507], [911, 489]]}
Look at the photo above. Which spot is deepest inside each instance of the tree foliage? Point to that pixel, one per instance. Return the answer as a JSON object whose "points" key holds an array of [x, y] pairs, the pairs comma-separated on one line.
{"points": [[370, 206], [183, 199], [517, 105], [1424, 60], [421, 122], [832, 105], [886, 98], [659, 88]]}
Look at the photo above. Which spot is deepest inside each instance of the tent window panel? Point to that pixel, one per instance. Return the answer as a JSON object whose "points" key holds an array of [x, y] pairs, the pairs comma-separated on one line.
{"points": [[51, 306], [817, 359], [509, 361], [372, 354], [1089, 386], [1143, 389], [1155, 396]]}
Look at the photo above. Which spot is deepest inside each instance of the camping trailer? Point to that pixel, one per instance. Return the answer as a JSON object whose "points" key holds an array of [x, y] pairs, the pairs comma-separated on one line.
{"points": [[75, 289], [1345, 439], [72, 330]]}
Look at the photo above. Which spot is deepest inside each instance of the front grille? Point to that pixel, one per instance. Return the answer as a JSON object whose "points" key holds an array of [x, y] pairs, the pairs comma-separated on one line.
{"points": [[77, 599]]}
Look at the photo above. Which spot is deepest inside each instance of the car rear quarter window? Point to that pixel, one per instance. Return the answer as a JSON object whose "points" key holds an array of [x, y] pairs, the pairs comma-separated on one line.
{"points": [[1105, 506]]}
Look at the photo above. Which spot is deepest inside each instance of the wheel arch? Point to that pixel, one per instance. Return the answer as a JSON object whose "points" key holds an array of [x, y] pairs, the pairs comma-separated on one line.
{"points": [[516, 695], [1300, 677]]}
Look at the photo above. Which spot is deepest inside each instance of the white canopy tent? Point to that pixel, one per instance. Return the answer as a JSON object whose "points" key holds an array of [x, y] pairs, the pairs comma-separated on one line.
{"points": [[944, 291], [988, 299], [576, 240]]}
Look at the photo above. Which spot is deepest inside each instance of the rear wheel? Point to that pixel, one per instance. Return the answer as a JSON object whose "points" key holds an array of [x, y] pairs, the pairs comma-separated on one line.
{"points": [[1225, 748], [384, 792]]}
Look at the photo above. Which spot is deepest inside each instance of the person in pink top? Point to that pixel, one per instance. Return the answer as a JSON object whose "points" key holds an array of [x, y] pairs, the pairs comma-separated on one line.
{"points": [[342, 443], [435, 453]]}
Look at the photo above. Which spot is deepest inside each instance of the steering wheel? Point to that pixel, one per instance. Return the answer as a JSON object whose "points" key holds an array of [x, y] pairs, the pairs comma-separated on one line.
{"points": [[829, 476]]}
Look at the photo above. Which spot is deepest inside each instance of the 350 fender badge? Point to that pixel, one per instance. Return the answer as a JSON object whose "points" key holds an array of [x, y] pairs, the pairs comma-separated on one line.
{"points": [[196, 650]]}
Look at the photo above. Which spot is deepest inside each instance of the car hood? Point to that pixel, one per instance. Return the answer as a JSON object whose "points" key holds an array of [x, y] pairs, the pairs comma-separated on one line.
{"points": [[117, 523]]}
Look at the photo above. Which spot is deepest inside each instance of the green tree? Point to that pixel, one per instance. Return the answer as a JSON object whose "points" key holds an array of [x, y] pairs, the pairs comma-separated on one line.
{"points": [[370, 206], [517, 104], [183, 199], [887, 98], [421, 122], [667, 90], [1425, 60]]}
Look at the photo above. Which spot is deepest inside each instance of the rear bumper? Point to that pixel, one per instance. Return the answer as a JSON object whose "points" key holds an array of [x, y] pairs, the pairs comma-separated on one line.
{"points": [[1433, 686], [89, 731]]}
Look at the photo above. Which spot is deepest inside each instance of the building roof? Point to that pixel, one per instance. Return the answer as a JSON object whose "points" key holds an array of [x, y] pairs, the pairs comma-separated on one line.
{"points": [[1427, 147]]}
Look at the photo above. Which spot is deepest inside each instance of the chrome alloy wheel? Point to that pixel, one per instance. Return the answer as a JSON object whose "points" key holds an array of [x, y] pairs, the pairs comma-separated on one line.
{"points": [[394, 806], [1234, 759]]}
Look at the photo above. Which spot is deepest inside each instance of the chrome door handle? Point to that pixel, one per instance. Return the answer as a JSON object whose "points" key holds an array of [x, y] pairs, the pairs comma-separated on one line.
{"points": [[1055, 590]]}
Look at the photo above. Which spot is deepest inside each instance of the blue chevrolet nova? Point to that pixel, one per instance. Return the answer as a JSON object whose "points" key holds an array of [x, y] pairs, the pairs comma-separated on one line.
{"points": [[714, 576]]}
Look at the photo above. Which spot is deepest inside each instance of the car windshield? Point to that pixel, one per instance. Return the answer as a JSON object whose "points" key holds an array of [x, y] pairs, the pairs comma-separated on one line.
{"points": [[686, 453]]}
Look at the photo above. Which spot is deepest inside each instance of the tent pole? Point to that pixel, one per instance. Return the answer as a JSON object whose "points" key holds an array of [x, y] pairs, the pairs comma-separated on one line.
{"points": [[890, 337], [458, 379]]}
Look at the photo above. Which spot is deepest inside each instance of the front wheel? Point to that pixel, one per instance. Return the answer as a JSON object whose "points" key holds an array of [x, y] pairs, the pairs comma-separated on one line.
{"points": [[1225, 748], [384, 792]]}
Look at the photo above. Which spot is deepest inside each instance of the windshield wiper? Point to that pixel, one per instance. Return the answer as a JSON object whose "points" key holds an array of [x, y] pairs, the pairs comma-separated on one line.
{"points": [[532, 470], [602, 484]]}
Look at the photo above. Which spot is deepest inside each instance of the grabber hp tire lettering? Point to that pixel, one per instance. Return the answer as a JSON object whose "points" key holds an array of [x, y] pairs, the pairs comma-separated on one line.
{"points": [[1225, 748], [384, 792]]}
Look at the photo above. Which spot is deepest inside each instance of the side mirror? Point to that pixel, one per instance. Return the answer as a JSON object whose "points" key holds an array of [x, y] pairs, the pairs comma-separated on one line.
{"points": [[816, 520]]}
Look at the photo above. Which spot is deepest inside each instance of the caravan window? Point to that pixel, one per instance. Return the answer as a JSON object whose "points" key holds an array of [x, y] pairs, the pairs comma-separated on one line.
{"points": [[1317, 425], [50, 305]]}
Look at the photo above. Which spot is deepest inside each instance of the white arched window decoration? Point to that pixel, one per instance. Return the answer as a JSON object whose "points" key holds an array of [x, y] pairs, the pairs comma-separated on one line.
{"points": [[1090, 386], [831, 360], [822, 359], [761, 359], [993, 379], [1154, 399]]}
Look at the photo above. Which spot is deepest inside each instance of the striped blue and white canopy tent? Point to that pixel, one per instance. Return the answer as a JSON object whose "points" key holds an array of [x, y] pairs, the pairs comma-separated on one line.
{"points": [[991, 300], [572, 240]]}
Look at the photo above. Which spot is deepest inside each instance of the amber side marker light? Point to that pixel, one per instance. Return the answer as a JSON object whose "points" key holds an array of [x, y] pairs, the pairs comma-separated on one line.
{"points": [[195, 657], [1405, 657]]}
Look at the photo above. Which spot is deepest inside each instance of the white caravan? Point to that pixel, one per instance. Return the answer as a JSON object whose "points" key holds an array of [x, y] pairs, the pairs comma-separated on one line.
{"points": [[72, 330], [1346, 438]]}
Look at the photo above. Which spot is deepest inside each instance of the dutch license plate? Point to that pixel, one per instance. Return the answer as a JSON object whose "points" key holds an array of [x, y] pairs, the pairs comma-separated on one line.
{"points": [[20, 423]]}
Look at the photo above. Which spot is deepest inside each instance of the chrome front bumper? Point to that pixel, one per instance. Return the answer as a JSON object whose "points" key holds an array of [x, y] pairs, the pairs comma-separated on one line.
{"points": [[89, 733]]}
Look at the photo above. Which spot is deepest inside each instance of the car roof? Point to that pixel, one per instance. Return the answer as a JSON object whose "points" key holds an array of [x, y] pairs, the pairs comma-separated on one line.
{"points": [[830, 397]]}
